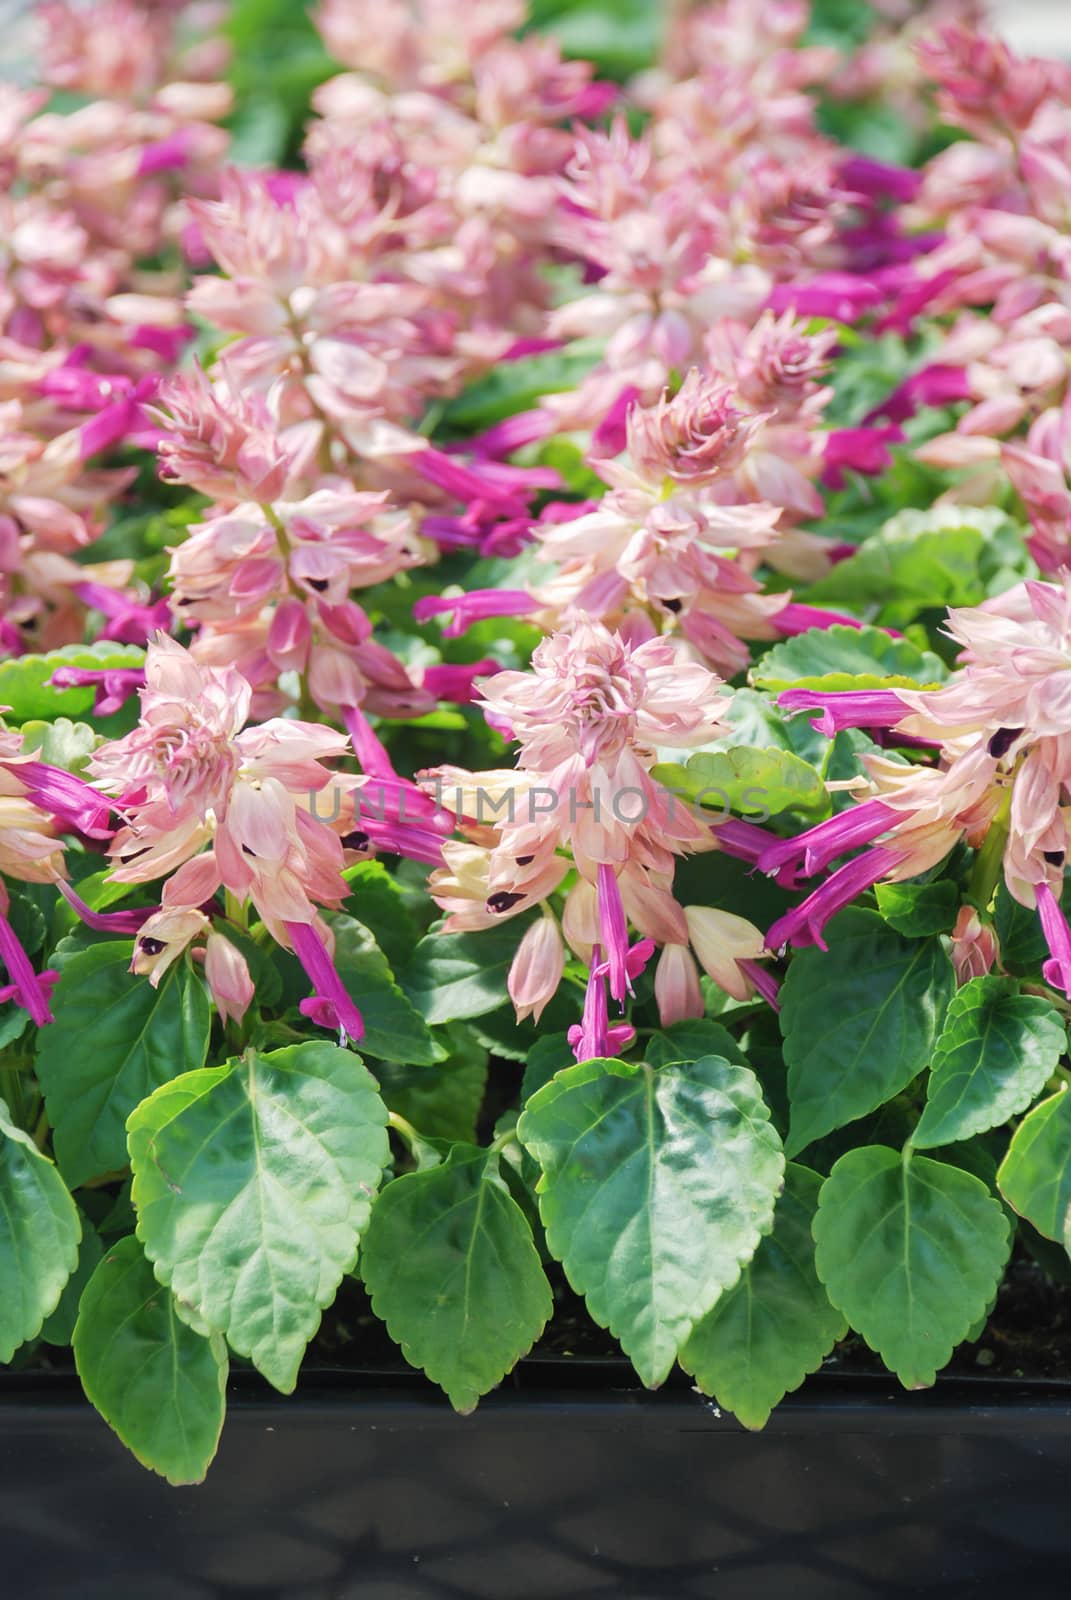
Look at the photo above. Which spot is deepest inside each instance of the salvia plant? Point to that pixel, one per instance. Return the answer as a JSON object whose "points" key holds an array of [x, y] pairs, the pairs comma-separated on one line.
{"points": [[535, 631]]}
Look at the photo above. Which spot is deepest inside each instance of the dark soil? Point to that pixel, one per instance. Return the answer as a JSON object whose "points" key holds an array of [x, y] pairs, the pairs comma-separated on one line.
{"points": [[1028, 1334]]}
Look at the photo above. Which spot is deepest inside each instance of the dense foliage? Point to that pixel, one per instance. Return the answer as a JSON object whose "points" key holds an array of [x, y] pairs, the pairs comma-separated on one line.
{"points": [[535, 630]]}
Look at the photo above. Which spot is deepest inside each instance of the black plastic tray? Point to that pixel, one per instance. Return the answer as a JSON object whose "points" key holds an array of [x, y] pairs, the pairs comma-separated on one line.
{"points": [[567, 1483]]}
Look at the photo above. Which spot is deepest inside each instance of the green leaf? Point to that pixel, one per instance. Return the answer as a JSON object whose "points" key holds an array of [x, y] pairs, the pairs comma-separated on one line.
{"points": [[656, 1187], [59, 1327], [917, 909], [846, 658], [392, 1027], [514, 386], [689, 1040], [379, 904], [115, 1039], [912, 1252], [949, 555], [1018, 930], [24, 680], [621, 39], [546, 1057], [764, 1336], [62, 743], [39, 1232], [457, 975], [997, 1050], [859, 1021], [442, 1101], [1035, 1175], [449, 1263], [751, 781], [252, 1184], [159, 1385]]}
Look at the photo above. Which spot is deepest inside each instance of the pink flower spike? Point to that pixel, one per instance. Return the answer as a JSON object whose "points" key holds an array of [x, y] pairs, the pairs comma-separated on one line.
{"points": [[804, 924], [849, 708], [1057, 970], [30, 990], [330, 1006], [614, 930], [125, 923], [475, 607]]}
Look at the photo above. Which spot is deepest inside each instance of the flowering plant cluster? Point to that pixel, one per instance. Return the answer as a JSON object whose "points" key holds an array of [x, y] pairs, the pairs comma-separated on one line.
{"points": [[535, 646]]}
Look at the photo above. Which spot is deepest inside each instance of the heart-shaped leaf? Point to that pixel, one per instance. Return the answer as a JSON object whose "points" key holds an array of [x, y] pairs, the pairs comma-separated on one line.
{"points": [[996, 1052], [114, 1041], [764, 1336], [1035, 1175], [39, 1234], [754, 782], [393, 1029], [457, 975], [449, 1262], [912, 1251], [846, 658], [156, 1382], [859, 1021], [252, 1185], [656, 1187]]}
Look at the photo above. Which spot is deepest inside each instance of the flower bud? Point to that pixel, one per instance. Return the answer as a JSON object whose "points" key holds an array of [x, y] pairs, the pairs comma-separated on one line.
{"points": [[537, 968], [228, 978]]}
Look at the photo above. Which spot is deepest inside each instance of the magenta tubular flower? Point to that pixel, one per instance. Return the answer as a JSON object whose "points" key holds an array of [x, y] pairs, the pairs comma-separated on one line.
{"points": [[795, 618], [118, 922], [879, 180], [764, 982], [804, 924], [812, 851], [614, 931], [128, 620], [331, 1005], [593, 1038], [935, 385], [457, 683], [1057, 970], [864, 450], [114, 685], [74, 804], [29, 989], [839, 295], [848, 708], [474, 607]]}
